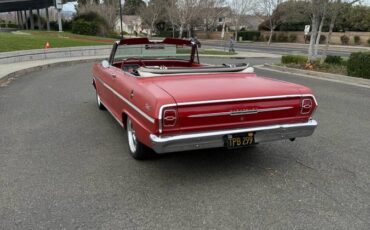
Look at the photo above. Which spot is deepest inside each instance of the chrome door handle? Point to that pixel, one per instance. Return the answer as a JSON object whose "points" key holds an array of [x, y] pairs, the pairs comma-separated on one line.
{"points": [[113, 75]]}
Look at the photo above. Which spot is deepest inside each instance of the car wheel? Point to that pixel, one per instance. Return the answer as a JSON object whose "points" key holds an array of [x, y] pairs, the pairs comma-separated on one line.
{"points": [[99, 103], [137, 150]]}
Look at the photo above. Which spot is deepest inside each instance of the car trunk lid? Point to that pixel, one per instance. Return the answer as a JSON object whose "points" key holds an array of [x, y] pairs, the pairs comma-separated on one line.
{"points": [[219, 101]]}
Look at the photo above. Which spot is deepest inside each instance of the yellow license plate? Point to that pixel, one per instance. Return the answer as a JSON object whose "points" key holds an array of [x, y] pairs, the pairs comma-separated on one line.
{"points": [[239, 140]]}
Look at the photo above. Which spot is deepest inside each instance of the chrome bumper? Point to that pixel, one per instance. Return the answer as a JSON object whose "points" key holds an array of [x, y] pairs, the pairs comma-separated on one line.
{"points": [[214, 139]]}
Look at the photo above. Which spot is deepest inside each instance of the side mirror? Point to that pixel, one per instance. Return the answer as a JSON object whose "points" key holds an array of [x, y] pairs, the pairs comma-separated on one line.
{"points": [[105, 64]]}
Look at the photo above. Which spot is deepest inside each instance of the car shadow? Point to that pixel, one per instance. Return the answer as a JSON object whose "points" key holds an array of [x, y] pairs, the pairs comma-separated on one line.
{"points": [[259, 160]]}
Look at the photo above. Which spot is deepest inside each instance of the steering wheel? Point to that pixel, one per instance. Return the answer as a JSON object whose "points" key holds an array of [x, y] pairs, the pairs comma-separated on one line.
{"points": [[133, 58]]}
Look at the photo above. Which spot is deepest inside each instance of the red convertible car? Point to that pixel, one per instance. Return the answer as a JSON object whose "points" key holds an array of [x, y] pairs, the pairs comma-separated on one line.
{"points": [[168, 101]]}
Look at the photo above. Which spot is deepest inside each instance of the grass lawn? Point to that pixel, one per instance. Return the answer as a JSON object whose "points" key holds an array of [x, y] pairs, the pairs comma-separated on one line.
{"points": [[332, 64], [26, 40], [326, 68]]}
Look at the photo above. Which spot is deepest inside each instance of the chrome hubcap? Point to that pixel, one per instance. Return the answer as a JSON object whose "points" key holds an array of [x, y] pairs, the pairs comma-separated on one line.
{"points": [[98, 99], [132, 142]]}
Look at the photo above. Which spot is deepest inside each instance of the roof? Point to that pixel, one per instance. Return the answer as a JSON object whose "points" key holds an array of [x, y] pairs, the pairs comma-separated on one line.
{"points": [[131, 19], [15, 5], [252, 21]]}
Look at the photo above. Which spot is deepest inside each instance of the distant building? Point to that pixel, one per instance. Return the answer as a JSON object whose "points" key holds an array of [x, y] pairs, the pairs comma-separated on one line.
{"points": [[251, 22], [8, 17], [248, 22], [67, 13], [130, 24]]}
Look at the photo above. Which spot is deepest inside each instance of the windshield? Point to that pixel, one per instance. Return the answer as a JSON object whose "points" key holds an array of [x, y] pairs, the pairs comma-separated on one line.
{"points": [[153, 51]]}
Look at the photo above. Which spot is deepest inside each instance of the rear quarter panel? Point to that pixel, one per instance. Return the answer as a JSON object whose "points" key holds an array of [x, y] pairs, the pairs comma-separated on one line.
{"points": [[132, 97]]}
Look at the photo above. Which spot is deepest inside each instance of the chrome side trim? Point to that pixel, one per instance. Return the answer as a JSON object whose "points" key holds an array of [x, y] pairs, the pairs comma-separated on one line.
{"points": [[146, 116], [246, 99], [241, 112]]}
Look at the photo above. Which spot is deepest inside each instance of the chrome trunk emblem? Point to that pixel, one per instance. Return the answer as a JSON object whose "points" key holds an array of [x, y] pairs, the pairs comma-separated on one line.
{"points": [[241, 112]]}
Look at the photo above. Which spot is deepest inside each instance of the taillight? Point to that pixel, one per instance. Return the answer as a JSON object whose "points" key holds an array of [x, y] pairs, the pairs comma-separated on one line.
{"points": [[307, 105], [169, 117]]}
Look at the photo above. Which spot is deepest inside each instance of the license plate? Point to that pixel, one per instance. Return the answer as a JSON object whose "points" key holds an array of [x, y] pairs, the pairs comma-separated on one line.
{"points": [[239, 140]]}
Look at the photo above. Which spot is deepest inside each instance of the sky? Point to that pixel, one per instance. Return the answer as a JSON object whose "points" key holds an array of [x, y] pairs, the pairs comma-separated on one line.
{"points": [[70, 6]]}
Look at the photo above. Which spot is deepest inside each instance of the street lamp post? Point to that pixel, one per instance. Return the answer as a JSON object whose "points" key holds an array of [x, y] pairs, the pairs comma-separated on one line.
{"points": [[59, 7], [120, 17]]}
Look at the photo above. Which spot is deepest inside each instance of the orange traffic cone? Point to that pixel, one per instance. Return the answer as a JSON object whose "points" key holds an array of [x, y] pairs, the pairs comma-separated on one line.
{"points": [[47, 45]]}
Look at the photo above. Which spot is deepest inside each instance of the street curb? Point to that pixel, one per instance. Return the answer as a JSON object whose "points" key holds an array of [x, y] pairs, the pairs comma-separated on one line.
{"points": [[53, 53], [360, 82], [7, 78], [296, 45]]}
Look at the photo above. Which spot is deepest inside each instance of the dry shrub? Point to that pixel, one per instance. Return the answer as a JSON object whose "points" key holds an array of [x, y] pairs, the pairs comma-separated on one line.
{"points": [[106, 11]]}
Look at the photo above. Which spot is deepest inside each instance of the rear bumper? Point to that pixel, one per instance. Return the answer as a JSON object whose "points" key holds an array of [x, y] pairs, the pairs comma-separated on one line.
{"points": [[214, 139]]}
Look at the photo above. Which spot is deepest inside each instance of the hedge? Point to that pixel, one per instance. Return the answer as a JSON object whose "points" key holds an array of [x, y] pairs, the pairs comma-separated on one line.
{"points": [[95, 24], [9, 25], [81, 26], [67, 25], [344, 39], [292, 38], [334, 60], [357, 40], [358, 65], [322, 39], [168, 34], [249, 35], [296, 59]]}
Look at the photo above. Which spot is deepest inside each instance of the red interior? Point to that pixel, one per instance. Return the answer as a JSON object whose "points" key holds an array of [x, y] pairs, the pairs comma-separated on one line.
{"points": [[167, 63]]}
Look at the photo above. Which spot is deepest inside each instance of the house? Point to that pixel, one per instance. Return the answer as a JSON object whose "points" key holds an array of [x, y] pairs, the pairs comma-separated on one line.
{"points": [[130, 24], [248, 22], [251, 22]]}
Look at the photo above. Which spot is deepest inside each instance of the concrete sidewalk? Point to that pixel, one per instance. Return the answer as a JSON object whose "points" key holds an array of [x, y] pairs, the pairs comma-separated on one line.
{"points": [[355, 81], [240, 55], [288, 45], [16, 69], [54, 53]]}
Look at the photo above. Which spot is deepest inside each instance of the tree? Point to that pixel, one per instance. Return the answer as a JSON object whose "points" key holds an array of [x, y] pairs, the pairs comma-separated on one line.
{"points": [[211, 10], [359, 17], [132, 7], [352, 17], [172, 12], [106, 11], [334, 10], [186, 9], [151, 13], [322, 14], [240, 8], [316, 7], [270, 8], [288, 16]]}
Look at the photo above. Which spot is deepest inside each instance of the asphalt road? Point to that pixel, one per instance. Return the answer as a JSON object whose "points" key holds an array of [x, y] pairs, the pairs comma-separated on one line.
{"points": [[274, 49], [65, 165]]}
